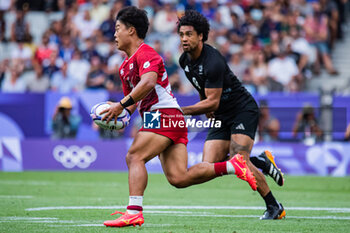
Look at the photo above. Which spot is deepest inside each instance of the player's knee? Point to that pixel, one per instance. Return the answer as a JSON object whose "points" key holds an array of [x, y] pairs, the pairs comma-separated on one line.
{"points": [[236, 150], [177, 182], [131, 158]]}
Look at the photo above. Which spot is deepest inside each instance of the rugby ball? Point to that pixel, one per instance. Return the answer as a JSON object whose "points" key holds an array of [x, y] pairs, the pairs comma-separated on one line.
{"points": [[122, 120]]}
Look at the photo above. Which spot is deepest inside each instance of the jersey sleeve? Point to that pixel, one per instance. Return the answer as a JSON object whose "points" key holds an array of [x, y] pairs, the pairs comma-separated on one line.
{"points": [[148, 62], [215, 73]]}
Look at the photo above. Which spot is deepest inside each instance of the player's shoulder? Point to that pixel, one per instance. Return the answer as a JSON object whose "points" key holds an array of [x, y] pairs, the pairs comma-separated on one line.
{"points": [[211, 52], [147, 53], [145, 49], [212, 58]]}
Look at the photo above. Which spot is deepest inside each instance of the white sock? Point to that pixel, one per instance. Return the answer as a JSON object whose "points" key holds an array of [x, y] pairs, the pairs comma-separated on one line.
{"points": [[135, 200], [229, 167]]}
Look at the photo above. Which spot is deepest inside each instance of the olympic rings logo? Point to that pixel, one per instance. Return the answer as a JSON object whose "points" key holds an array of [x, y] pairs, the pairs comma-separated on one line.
{"points": [[75, 156]]}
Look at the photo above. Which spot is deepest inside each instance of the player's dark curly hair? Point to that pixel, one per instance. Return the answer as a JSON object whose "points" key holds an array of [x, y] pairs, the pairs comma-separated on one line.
{"points": [[135, 17], [197, 21]]}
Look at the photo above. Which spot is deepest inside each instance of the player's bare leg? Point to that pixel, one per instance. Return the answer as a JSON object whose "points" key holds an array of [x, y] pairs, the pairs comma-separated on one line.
{"points": [[243, 144], [215, 150], [174, 163], [145, 146]]}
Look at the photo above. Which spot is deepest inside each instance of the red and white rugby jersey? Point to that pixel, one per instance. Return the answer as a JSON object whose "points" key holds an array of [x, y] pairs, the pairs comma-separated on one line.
{"points": [[145, 60]]}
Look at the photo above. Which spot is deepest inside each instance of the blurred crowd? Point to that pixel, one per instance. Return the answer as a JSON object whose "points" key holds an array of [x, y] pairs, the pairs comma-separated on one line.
{"points": [[270, 45]]}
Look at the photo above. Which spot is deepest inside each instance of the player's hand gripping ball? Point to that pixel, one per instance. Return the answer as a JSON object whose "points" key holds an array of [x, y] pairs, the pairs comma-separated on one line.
{"points": [[122, 120]]}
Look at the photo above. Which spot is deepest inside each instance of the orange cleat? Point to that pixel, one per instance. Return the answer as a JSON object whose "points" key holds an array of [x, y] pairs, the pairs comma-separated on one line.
{"points": [[126, 220], [242, 171], [274, 171]]}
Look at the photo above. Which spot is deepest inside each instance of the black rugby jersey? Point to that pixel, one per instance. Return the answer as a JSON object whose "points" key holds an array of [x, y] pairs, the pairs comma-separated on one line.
{"points": [[210, 70]]}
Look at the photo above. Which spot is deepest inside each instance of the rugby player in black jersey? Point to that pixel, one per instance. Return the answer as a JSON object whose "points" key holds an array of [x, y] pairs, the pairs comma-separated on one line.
{"points": [[223, 97]]}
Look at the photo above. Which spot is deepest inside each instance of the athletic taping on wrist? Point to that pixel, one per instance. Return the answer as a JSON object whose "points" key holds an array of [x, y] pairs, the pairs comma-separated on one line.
{"points": [[127, 101]]}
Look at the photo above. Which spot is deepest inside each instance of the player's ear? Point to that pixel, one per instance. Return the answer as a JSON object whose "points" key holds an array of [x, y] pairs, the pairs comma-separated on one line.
{"points": [[131, 30], [200, 37]]}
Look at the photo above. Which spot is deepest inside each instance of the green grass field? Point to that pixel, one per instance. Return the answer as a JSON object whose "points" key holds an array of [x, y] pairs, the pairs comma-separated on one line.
{"points": [[323, 204]]}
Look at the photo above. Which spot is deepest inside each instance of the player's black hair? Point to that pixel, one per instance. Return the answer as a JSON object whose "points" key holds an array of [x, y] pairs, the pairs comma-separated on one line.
{"points": [[197, 21], [135, 17]]}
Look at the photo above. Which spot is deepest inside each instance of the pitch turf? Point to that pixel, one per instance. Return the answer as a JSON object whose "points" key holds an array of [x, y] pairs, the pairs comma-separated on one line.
{"points": [[168, 209]]}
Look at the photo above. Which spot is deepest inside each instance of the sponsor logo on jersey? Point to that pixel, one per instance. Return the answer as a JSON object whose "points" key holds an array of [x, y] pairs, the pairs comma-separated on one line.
{"points": [[122, 71], [131, 66], [187, 69], [146, 64], [200, 69]]}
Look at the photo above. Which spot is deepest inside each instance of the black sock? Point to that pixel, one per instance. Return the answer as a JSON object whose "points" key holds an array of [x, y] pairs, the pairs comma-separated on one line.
{"points": [[258, 163], [270, 200]]}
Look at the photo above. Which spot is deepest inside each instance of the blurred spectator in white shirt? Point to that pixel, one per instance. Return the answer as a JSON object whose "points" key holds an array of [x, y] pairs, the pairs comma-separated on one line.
{"points": [[24, 54], [85, 24], [62, 82], [300, 45], [13, 82], [38, 82], [99, 11], [165, 20], [284, 70], [78, 69]]}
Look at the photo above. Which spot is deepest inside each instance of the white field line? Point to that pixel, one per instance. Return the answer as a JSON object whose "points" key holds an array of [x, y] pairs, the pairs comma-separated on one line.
{"points": [[14, 218], [63, 183], [43, 221], [23, 182], [72, 223], [253, 216], [15, 196], [152, 207]]}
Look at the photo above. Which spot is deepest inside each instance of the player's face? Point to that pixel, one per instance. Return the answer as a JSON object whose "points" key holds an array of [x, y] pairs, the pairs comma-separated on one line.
{"points": [[189, 38], [121, 35]]}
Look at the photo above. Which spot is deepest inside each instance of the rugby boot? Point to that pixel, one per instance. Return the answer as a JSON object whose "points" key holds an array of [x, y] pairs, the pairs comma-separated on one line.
{"points": [[266, 162], [242, 171], [126, 220], [274, 212]]}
